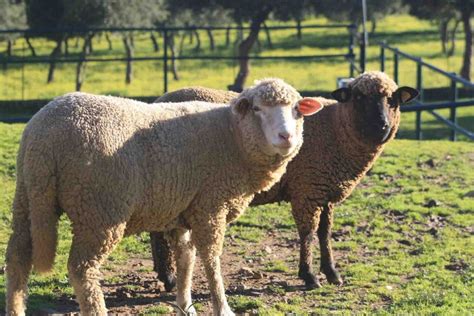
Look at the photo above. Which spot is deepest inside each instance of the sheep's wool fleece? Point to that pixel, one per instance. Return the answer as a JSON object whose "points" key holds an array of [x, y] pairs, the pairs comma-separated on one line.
{"points": [[374, 83], [119, 160], [274, 91], [197, 93]]}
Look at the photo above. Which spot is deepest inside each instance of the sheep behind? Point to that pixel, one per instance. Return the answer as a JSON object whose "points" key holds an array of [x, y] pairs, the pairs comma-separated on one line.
{"points": [[340, 146]]}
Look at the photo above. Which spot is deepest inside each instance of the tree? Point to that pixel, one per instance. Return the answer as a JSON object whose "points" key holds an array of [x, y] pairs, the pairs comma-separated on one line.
{"points": [[124, 13], [54, 19], [256, 12], [12, 16], [442, 11], [351, 10]]}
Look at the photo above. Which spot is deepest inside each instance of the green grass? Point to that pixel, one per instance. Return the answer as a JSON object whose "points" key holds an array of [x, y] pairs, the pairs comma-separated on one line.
{"points": [[402, 31], [396, 254]]}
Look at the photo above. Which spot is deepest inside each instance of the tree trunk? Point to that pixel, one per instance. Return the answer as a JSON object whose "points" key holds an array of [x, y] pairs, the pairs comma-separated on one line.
{"points": [[156, 46], [453, 38], [373, 26], [299, 35], [267, 33], [227, 37], [30, 46], [66, 46], [9, 47], [443, 34], [174, 66], [127, 42], [181, 43], [81, 66], [244, 49], [211, 39], [52, 64], [466, 64], [90, 50], [109, 41], [197, 48]]}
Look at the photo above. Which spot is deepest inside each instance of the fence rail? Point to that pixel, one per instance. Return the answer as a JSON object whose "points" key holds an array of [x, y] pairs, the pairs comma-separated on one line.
{"points": [[421, 106], [165, 57]]}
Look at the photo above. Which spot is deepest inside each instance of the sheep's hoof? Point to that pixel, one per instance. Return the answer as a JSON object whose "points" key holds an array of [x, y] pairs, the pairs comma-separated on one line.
{"points": [[170, 283], [333, 277], [311, 285], [310, 280]]}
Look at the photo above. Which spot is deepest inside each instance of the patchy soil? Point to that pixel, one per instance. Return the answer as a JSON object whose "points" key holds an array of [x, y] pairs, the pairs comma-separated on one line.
{"points": [[265, 270]]}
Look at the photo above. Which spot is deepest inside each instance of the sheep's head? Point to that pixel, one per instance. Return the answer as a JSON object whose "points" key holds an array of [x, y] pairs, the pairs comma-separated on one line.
{"points": [[274, 110], [375, 100]]}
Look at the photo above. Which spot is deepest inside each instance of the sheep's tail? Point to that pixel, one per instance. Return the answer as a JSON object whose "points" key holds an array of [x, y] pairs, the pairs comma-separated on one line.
{"points": [[44, 217]]}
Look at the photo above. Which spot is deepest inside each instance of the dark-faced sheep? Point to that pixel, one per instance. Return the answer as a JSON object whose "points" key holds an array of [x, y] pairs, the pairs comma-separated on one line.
{"points": [[118, 167], [340, 145]]}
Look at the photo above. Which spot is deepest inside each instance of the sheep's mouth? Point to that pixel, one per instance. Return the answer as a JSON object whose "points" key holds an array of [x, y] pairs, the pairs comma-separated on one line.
{"points": [[284, 149], [377, 133]]}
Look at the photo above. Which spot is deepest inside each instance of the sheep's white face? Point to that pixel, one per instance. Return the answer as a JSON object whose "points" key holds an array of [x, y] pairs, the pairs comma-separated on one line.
{"points": [[282, 124], [279, 124], [270, 121]]}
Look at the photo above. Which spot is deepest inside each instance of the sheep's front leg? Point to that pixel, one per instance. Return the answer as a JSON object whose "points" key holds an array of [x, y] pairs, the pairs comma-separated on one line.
{"points": [[306, 215], [324, 236], [185, 256], [208, 237]]}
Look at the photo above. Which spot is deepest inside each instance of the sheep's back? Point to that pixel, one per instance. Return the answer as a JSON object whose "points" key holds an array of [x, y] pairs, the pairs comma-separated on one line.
{"points": [[129, 155]]}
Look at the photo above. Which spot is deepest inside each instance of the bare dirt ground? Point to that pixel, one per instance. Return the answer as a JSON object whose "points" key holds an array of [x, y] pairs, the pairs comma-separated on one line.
{"points": [[248, 268]]}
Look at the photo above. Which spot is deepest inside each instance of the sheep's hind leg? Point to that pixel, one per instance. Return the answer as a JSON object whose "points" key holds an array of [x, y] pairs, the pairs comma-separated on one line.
{"points": [[324, 236], [185, 256], [306, 216], [163, 260], [90, 247], [18, 257]]}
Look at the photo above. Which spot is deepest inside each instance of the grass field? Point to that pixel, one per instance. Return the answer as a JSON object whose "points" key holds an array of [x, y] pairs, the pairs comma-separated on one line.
{"points": [[405, 32], [404, 243]]}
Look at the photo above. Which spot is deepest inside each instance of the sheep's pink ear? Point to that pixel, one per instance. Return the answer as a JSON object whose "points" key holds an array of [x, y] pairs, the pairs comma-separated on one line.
{"points": [[309, 106]]}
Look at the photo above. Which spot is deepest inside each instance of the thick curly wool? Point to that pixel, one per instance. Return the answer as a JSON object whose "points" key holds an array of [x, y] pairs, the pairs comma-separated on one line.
{"points": [[273, 91], [332, 161], [198, 93], [374, 83], [117, 167]]}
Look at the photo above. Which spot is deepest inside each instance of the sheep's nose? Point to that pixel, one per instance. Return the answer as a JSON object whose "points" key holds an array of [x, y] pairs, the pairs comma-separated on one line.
{"points": [[285, 136]]}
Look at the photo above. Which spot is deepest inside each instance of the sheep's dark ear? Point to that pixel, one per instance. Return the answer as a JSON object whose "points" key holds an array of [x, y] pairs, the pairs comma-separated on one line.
{"points": [[406, 94], [342, 94], [241, 105]]}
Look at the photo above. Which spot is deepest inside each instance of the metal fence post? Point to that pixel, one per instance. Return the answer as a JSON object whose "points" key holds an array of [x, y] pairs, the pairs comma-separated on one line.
{"points": [[362, 57], [351, 51], [165, 60], [452, 111], [395, 66], [419, 86], [382, 57]]}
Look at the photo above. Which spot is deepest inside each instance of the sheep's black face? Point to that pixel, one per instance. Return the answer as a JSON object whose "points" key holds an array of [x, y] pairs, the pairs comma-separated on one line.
{"points": [[375, 116]]}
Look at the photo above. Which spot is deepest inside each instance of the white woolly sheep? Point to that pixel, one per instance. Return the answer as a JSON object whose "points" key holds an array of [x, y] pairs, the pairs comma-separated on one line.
{"points": [[340, 145], [118, 167]]}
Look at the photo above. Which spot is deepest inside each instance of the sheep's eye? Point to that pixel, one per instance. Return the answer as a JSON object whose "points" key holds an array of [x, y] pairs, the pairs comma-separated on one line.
{"points": [[256, 109], [298, 113], [391, 102]]}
